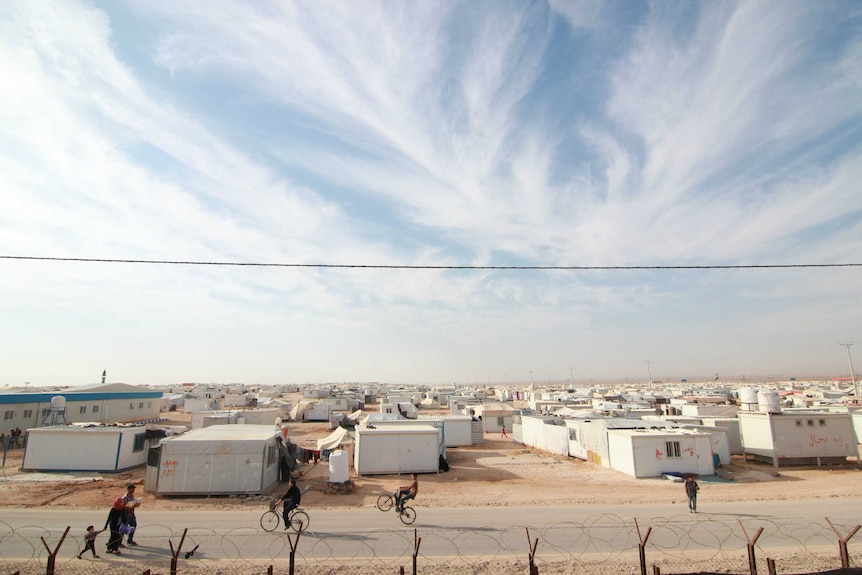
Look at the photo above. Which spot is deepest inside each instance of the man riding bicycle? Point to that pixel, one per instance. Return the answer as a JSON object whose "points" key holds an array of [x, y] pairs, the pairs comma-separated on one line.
{"points": [[406, 492], [291, 501]]}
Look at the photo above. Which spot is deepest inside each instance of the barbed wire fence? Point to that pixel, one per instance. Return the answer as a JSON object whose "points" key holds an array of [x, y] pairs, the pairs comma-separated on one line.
{"points": [[601, 544]]}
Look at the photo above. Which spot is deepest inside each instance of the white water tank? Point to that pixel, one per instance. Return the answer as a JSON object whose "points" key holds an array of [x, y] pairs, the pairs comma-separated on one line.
{"points": [[339, 467], [769, 402], [748, 398], [58, 403]]}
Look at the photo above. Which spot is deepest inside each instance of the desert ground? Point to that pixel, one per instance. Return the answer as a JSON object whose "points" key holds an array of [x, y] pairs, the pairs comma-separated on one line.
{"points": [[498, 472]]}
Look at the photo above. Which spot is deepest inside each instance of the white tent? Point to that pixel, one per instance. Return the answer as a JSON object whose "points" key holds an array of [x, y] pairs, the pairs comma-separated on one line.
{"points": [[338, 437]]}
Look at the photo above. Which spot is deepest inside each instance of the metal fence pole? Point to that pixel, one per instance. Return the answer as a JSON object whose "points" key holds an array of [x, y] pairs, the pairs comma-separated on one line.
{"points": [[642, 545], [532, 553], [752, 560], [52, 555], [842, 544]]}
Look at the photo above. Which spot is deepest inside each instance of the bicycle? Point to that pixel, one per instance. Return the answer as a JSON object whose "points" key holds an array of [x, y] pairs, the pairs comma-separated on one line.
{"points": [[387, 501], [298, 519]]}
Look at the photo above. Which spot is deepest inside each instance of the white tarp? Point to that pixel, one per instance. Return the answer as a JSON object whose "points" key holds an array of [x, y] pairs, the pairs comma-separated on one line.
{"points": [[338, 437]]}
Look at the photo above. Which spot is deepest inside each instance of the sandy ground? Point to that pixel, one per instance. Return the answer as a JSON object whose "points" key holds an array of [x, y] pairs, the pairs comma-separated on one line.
{"points": [[498, 472]]}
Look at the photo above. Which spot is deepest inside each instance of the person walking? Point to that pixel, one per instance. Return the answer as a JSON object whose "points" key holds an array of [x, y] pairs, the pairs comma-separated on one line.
{"points": [[691, 489], [503, 433], [90, 541], [131, 503], [115, 517]]}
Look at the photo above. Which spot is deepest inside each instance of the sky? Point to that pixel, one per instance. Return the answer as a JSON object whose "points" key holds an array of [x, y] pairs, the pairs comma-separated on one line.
{"points": [[455, 145]]}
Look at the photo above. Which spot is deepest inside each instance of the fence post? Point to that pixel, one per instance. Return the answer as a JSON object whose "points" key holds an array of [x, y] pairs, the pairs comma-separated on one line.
{"points": [[176, 552], [293, 545], [269, 570], [532, 553], [642, 545], [416, 542], [752, 560], [770, 565], [842, 544], [52, 555], [656, 570]]}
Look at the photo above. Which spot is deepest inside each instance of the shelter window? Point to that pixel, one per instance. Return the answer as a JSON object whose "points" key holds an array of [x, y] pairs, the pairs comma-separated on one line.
{"points": [[9, 415], [573, 434], [798, 423], [141, 405], [28, 413], [672, 449], [140, 441], [95, 409], [82, 409], [131, 406], [810, 423], [44, 411], [501, 421], [822, 422], [270, 454]]}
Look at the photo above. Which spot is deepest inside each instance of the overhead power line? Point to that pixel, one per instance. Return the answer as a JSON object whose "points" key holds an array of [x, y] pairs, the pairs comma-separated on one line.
{"points": [[423, 267]]}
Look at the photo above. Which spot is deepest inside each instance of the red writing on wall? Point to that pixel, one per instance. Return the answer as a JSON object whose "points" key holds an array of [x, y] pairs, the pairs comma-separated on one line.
{"points": [[690, 451], [816, 440], [169, 467], [658, 454]]}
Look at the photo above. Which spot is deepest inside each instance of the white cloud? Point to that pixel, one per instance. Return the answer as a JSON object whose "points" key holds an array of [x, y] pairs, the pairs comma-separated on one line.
{"points": [[428, 133]]}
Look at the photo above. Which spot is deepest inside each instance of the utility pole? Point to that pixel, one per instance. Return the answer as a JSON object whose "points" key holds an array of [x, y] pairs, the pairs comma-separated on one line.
{"points": [[848, 345], [649, 372]]}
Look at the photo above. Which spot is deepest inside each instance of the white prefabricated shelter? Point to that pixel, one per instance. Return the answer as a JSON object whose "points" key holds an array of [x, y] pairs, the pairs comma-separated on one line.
{"points": [[718, 441], [388, 449], [493, 415], [319, 411], [588, 436], [654, 452], [734, 441], [195, 404], [105, 449], [217, 460], [797, 437], [457, 429], [545, 432], [857, 425]]}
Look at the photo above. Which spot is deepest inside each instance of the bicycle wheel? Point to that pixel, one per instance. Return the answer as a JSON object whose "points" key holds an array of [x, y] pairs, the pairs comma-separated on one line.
{"points": [[299, 521], [269, 520], [408, 516], [385, 502]]}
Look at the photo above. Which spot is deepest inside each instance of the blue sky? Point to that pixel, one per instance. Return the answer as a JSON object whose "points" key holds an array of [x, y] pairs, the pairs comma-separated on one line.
{"points": [[476, 133]]}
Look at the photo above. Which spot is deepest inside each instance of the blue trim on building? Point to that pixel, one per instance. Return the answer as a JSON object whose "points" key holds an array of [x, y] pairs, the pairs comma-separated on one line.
{"points": [[10, 398], [119, 446]]}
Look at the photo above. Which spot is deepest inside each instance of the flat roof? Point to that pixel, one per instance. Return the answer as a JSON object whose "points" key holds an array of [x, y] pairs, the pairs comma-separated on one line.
{"points": [[229, 432]]}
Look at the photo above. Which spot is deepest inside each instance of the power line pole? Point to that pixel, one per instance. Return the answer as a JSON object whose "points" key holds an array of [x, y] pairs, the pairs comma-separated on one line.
{"points": [[848, 345], [649, 372]]}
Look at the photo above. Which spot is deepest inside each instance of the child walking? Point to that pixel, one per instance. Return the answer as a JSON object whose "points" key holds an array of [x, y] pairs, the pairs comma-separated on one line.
{"points": [[90, 541]]}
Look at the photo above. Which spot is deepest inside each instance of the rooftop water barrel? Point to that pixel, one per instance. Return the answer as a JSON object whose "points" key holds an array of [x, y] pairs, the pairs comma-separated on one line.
{"points": [[748, 398], [58, 403], [769, 402], [339, 467]]}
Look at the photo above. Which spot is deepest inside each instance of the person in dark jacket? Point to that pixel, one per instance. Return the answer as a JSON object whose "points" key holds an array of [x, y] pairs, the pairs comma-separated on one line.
{"points": [[291, 501], [115, 517]]}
